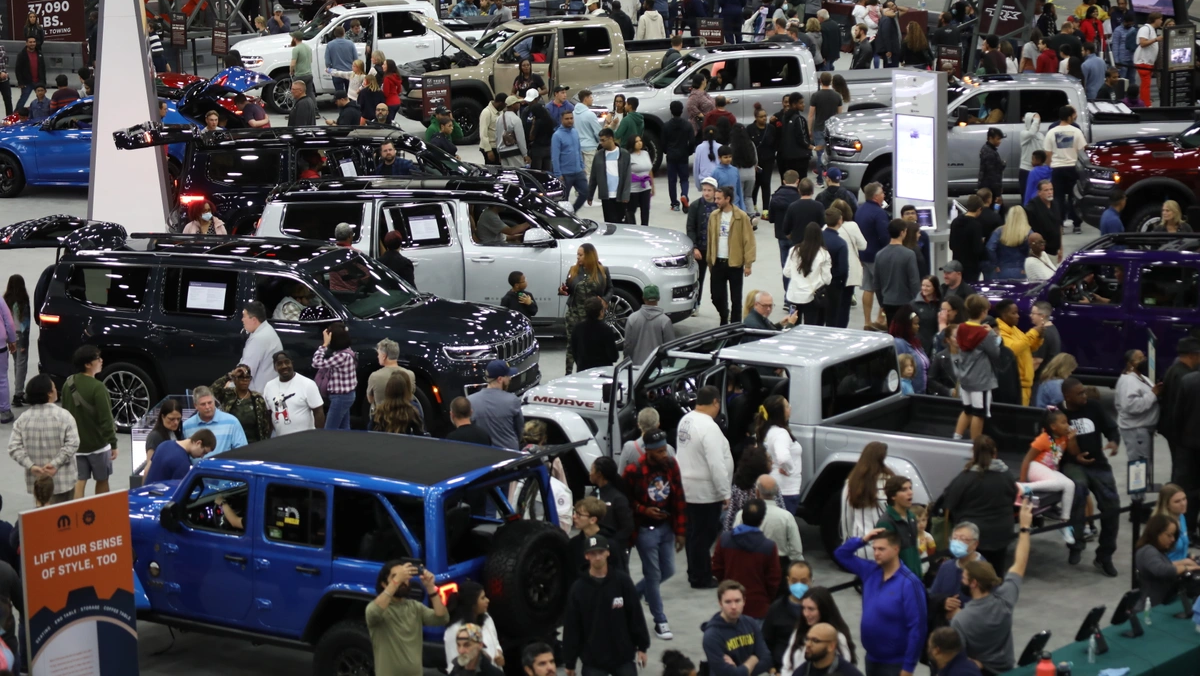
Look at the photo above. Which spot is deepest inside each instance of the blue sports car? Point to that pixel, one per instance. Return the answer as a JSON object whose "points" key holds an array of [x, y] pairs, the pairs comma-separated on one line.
{"points": [[58, 149]]}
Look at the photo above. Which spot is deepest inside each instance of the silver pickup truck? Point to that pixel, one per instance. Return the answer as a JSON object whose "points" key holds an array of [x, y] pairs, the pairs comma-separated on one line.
{"points": [[843, 386], [757, 72], [861, 142]]}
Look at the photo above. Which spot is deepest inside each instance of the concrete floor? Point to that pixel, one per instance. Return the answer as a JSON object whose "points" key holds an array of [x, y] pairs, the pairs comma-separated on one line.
{"points": [[1055, 596]]}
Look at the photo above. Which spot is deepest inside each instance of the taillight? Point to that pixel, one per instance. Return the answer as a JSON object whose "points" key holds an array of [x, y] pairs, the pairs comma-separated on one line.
{"points": [[445, 591], [188, 200], [48, 319]]}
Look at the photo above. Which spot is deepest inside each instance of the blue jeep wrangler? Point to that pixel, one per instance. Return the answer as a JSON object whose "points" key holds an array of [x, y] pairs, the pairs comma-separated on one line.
{"points": [[316, 514]]}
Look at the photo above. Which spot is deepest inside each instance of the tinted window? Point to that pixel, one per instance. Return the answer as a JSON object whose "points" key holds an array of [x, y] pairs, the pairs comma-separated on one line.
{"points": [[295, 515], [1167, 286], [421, 225], [318, 220], [75, 117], [366, 288], [197, 291], [585, 41], [363, 528], [115, 287], [399, 25], [201, 510], [244, 167], [774, 71], [1044, 102], [856, 382]]}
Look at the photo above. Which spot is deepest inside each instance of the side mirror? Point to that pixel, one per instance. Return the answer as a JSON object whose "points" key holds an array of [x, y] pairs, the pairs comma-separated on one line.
{"points": [[536, 236], [606, 391], [168, 517], [1054, 295]]}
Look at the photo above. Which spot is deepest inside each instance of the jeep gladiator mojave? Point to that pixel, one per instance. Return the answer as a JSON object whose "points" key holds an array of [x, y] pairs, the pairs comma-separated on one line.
{"points": [[861, 142], [844, 389], [317, 526], [577, 51]]}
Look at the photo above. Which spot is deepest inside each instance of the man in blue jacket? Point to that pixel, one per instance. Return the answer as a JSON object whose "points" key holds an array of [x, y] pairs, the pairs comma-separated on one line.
{"points": [[566, 157], [1110, 220], [893, 613], [841, 270], [731, 635], [873, 222]]}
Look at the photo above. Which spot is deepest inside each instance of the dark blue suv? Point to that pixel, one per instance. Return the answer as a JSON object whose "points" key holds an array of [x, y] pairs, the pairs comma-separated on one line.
{"points": [[321, 512]]}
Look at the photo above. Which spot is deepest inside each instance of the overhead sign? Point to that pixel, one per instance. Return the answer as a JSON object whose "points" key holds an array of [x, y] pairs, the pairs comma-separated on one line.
{"points": [[178, 29], [711, 31], [77, 561], [949, 59], [435, 91], [220, 39], [1011, 17], [1179, 58], [523, 9], [61, 19]]}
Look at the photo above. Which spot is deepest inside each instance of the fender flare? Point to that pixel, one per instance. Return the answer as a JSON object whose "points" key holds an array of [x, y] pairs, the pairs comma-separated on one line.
{"points": [[1159, 183], [573, 425], [472, 89]]}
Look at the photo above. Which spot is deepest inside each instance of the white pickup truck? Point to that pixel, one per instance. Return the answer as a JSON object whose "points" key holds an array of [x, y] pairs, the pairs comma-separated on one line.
{"points": [[387, 25]]}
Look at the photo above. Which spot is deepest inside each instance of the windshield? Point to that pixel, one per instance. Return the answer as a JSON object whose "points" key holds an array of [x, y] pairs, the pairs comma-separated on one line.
{"points": [[492, 41], [562, 222], [663, 77], [449, 164], [366, 288], [319, 22], [1190, 137]]}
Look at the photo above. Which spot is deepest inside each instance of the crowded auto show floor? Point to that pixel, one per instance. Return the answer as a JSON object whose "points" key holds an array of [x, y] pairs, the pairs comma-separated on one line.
{"points": [[1055, 596]]}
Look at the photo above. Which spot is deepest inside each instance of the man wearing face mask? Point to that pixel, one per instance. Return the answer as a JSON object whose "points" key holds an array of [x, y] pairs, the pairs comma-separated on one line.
{"points": [[946, 593], [780, 622]]}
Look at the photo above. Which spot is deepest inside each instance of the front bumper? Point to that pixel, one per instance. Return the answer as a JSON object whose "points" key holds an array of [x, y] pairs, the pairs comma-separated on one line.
{"points": [[529, 375], [678, 288], [1091, 194]]}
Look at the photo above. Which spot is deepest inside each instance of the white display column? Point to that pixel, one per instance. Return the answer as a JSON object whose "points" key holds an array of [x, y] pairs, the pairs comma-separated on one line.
{"points": [[127, 186]]}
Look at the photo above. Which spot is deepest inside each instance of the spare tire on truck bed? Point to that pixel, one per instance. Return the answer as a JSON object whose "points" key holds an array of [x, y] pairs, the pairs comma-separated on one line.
{"points": [[526, 576]]}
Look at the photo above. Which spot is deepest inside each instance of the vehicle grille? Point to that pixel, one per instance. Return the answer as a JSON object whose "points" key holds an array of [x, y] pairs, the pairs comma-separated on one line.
{"points": [[516, 347]]}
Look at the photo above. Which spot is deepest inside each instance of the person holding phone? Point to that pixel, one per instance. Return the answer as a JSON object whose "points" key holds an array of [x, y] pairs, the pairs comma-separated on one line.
{"points": [[394, 619], [517, 298]]}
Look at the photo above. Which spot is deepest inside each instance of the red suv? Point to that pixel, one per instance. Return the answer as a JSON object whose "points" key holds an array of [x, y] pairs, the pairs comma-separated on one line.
{"points": [[1150, 169]]}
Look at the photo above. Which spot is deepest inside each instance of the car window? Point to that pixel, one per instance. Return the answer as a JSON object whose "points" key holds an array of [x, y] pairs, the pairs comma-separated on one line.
{"points": [[363, 528], [1092, 284], [196, 291], [509, 217], [774, 71], [859, 381], [201, 510], [1044, 102], [399, 25], [112, 287], [1169, 286], [538, 45], [318, 220], [78, 116], [722, 74], [590, 41], [987, 108], [366, 288], [295, 515], [422, 226], [246, 166], [287, 298]]}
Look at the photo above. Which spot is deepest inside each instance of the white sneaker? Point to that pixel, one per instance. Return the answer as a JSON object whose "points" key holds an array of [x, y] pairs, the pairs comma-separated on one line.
{"points": [[663, 631], [1068, 535]]}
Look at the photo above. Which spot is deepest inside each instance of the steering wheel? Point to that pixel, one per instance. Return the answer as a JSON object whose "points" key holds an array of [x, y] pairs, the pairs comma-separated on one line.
{"points": [[684, 393]]}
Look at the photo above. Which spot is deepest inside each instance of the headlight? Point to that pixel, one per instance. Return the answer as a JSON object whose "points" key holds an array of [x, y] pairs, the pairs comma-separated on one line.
{"points": [[413, 81], [680, 261], [471, 352], [252, 61], [1104, 175], [846, 145]]}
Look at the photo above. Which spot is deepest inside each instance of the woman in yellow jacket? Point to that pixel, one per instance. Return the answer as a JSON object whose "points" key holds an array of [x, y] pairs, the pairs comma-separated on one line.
{"points": [[1021, 343], [731, 251]]}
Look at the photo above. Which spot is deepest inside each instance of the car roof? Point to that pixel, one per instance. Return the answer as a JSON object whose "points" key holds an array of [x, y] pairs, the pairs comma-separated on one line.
{"points": [[1057, 79], [1141, 246], [419, 461], [320, 189], [518, 24], [808, 346], [278, 251], [358, 4], [298, 135], [751, 47]]}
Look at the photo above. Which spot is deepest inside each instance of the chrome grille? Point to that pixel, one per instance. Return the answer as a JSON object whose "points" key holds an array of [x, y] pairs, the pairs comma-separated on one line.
{"points": [[516, 347]]}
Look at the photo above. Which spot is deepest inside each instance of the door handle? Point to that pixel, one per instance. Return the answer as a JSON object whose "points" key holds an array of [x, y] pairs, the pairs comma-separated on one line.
{"points": [[484, 259], [606, 65], [733, 100], [307, 570], [422, 45], [235, 558], [165, 329], [1113, 322]]}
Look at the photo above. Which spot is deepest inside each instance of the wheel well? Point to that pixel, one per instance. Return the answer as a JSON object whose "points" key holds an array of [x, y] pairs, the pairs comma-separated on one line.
{"points": [[280, 73], [829, 482], [1158, 193], [577, 474], [332, 609], [878, 164], [629, 286], [652, 123], [476, 92], [113, 355]]}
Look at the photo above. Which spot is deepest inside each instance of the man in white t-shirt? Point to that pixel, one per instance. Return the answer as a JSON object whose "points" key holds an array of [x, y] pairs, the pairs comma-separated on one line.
{"points": [[1063, 144], [609, 175], [1146, 54], [706, 471], [294, 399]]}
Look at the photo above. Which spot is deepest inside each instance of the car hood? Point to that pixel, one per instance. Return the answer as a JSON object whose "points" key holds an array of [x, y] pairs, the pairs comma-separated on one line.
{"points": [[1132, 153], [637, 86], [268, 44], [639, 241], [583, 390], [1017, 290], [435, 26], [858, 123], [146, 502], [471, 323], [235, 80]]}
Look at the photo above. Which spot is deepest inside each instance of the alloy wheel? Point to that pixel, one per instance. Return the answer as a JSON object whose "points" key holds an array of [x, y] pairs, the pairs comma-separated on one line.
{"points": [[281, 95], [8, 175], [354, 662], [130, 397], [618, 313], [541, 579]]}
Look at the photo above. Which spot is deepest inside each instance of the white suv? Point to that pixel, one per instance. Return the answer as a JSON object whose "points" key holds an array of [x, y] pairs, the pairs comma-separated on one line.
{"points": [[388, 25]]}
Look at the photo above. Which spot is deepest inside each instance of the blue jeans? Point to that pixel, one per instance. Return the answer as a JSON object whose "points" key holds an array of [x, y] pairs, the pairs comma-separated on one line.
{"points": [[785, 247], [338, 417], [579, 181], [792, 502], [656, 548], [818, 140], [341, 83], [677, 171]]}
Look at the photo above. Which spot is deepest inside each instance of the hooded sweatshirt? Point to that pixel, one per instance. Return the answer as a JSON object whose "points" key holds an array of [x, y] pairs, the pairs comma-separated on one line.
{"points": [[646, 330], [603, 624], [746, 555], [978, 348], [650, 27], [1032, 138], [739, 640]]}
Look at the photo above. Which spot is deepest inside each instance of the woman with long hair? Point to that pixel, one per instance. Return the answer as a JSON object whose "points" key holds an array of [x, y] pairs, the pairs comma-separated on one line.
{"points": [[16, 297], [812, 28], [984, 494], [840, 86], [917, 241], [641, 176], [745, 158], [905, 330], [168, 425], [926, 307], [614, 117], [863, 500], [1050, 380], [337, 366], [585, 279], [810, 267], [1093, 29], [370, 95], [392, 87], [773, 433], [1158, 575], [706, 158], [1030, 52], [914, 50], [1173, 503], [526, 79], [396, 414], [953, 311], [1172, 218], [469, 605], [817, 606], [754, 462], [1008, 247]]}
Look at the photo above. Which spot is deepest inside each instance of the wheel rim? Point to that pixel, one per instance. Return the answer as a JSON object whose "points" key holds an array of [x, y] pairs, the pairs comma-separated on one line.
{"points": [[465, 121], [8, 175], [281, 95], [541, 580], [618, 313], [354, 662], [130, 397], [1150, 224]]}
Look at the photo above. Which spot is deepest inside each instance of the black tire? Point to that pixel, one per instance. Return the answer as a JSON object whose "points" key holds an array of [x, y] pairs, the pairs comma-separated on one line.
{"points": [[466, 113], [12, 176], [344, 650], [278, 94], [526, 576], [1147, 217], [831, 523], [621, 306], [884, 177], [654, 147], [132, 390]]}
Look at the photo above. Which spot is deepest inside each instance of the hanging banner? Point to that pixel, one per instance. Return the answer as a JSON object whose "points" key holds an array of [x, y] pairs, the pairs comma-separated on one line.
{"points": [[1011, 17], [220, 39], [711, 31], [435, 92], [77, 560], [178, 29]]}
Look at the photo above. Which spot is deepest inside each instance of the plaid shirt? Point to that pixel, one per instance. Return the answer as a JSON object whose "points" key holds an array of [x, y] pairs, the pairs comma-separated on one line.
{"points": [[639, 476], [342, 365], [46, 434]]}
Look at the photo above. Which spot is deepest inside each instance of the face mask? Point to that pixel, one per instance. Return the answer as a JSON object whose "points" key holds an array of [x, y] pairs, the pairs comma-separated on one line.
{"points": [[207, 217], [797, 589], [958, 549]]}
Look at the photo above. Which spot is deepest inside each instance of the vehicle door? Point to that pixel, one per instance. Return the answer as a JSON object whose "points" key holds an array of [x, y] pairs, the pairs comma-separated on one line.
{"points": [[585, 56], [318, 220], [323, 41], [965, 141], [282, 294], [199, 319], [1167, 302], [207, 567], [1090, 326], [771, 77], [1046, 102], [733, 86], [429, 241], [487, 266], [293, 558], [402, 37], [64, 147], [507, 64]]}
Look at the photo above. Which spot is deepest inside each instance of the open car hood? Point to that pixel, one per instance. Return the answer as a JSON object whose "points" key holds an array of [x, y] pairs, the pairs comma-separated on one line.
{"points": [[62, 231], [447, 35]]}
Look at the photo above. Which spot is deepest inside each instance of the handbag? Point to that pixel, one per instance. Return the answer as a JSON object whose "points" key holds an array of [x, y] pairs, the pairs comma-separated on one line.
{"points": [[322, 381], [508, 138]]}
